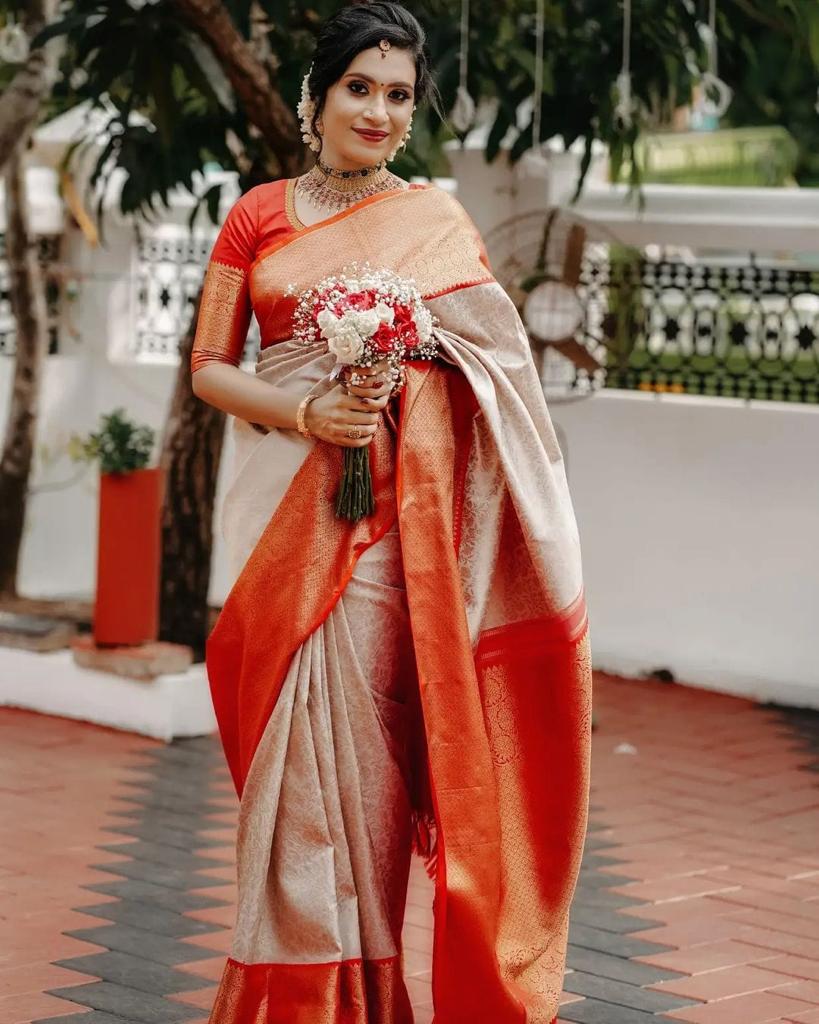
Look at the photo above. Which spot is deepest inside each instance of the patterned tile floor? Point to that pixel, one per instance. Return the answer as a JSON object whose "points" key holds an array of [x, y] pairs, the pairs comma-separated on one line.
{"points": [[698, 898]]}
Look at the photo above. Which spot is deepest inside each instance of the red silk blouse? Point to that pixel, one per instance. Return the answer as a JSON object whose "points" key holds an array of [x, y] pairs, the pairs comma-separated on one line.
{"points": [[257, 222]]}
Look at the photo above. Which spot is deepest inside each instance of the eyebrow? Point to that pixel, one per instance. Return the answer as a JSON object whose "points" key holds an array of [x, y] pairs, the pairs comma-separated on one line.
{"points": [[358, 74]]}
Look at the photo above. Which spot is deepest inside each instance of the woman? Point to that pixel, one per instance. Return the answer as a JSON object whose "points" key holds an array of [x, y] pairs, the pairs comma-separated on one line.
{"points": [[418, 680]]}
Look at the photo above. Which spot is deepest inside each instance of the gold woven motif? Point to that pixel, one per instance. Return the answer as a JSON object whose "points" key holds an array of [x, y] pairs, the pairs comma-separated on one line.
{"points": [[290, 205], [220, 329], [533, 925]]}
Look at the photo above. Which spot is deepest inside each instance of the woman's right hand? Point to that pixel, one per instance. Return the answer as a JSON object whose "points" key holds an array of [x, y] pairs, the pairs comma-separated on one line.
{"points": [[332, 415]]}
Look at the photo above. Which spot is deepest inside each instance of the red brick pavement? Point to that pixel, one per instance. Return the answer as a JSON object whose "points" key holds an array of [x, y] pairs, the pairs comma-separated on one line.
{"points": [[714, 816], [57, 783]]}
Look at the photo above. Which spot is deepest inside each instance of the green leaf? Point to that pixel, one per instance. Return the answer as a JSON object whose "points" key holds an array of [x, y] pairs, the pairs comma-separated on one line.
{"points": [[526, 60], [211, 72], [813, 36]]}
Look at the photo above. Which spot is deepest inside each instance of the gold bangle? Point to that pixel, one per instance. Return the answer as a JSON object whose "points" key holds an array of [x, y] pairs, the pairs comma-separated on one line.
{"points": [[301, 426]]}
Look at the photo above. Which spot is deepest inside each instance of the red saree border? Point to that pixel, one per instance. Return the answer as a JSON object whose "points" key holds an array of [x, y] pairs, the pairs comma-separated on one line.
{"points": [[485, 279], [567, 627], [463, 789], [321, 963], [349, 991]]}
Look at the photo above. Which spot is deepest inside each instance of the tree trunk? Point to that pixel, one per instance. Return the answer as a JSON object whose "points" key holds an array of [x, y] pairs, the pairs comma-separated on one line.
{"points": [[191, 450], [27, 290], [253, 81], [20, 101], [194, 430]]}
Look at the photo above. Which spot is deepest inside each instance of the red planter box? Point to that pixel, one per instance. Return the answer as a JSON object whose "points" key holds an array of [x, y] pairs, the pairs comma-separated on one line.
{"points": [[128, 557]]}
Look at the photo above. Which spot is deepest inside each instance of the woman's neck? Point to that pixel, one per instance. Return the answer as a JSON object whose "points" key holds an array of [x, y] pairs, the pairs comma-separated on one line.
{"points": [[337, 163]]}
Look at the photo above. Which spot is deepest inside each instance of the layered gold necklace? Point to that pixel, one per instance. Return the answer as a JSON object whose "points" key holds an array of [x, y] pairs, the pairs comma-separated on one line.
{"points": [[332, 189]]}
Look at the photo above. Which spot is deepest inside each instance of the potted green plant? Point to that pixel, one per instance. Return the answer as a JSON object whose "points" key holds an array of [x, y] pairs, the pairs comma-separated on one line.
{"points": [[126, 609]]}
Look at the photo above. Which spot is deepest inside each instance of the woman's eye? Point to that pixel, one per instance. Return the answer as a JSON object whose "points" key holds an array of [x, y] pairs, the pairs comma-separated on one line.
{"points": [[360, 89]]}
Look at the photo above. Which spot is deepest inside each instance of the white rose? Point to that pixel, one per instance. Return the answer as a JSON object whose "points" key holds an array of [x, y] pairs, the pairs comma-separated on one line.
{"points": [[328, 323], [386, 314], [346, 345], [367, 321]]}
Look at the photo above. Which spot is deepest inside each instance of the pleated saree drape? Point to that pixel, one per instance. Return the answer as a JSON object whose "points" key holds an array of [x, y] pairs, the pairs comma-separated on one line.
{"points": [[420, 679]]}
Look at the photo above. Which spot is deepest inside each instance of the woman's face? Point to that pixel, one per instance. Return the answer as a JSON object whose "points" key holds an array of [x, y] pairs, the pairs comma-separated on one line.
{"points": [[375, 95]]}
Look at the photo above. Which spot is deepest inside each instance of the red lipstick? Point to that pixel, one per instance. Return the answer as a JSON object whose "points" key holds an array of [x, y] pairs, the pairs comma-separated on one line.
{"points": [[372, 136]]}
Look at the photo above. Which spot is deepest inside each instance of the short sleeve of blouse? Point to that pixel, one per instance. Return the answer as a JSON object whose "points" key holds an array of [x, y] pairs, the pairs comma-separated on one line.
{"points": [[225, 310]]}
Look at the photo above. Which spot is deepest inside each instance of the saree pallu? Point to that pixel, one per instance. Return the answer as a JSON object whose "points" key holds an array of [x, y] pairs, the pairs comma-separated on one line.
{"points": [[420, 679]]}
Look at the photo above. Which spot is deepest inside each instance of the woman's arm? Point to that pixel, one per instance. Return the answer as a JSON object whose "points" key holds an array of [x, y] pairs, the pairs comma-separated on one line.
{"points": [[245, 396], [221, 330], [328, 417]]}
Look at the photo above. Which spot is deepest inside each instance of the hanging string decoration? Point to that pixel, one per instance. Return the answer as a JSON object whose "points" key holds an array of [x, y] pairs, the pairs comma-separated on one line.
{"points": [[716, 95], [463, 112], [625, 108], [537, 99]]}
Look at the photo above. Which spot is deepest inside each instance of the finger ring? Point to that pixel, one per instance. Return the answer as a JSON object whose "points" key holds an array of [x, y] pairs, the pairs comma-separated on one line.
{"points": [[354, 433]]}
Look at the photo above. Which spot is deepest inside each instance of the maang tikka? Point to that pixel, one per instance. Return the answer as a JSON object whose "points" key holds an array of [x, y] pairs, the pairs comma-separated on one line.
{"points": [[306, 110]]}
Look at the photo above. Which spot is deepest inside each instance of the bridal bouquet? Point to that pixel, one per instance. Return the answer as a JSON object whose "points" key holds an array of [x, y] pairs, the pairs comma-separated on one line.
{"points": [[364, 317]]}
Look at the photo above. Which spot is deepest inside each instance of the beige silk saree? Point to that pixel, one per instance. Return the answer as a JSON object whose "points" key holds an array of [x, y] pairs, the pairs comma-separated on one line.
{"points": [[418, 680]]}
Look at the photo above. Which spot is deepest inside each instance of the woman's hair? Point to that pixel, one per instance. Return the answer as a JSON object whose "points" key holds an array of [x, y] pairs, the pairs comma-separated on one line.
{"points": [[360, 26]]}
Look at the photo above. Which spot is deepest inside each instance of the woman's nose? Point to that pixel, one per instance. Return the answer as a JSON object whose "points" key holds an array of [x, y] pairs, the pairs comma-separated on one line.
{"points": [[377, 109]]}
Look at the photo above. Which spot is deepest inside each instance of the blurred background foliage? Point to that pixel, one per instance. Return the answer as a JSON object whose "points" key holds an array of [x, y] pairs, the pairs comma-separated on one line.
{"points": [[773, 72], [152, 59]]}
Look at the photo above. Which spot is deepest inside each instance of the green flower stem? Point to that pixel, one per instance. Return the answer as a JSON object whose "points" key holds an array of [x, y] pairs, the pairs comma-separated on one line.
{"points": [[355, 494]]}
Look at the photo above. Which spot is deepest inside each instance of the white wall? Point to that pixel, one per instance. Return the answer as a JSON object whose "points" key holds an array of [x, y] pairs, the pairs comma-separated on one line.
{"points": [[699, 520]]}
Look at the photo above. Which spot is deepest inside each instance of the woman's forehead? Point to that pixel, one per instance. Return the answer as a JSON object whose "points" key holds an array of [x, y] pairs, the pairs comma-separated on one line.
{"points": [[395, 67]]}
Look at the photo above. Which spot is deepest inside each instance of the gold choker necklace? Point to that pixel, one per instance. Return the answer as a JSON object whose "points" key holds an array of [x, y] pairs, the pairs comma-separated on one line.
{"points": [[329, 188]]}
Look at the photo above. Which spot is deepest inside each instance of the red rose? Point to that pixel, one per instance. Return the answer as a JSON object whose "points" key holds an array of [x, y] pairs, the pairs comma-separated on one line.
{"points": [[384, 338], [361, 300], [403, 316], [404, 324]]}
